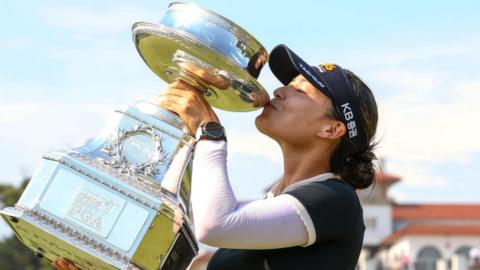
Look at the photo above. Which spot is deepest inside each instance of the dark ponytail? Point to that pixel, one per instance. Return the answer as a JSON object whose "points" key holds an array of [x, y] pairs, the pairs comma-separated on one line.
{"points": [[357, 168]]}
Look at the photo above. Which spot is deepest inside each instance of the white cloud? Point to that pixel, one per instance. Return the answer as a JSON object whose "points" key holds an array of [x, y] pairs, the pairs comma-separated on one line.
{"points": [[417, 130], [409, 81], [418, 174], [12, 114], [401, 54], [31, 128], [428, 114], [17, 43], [87, 22]]}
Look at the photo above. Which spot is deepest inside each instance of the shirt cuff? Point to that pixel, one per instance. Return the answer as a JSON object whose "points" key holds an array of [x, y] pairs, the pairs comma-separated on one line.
{"points": [[206, 147], [305, 217]]}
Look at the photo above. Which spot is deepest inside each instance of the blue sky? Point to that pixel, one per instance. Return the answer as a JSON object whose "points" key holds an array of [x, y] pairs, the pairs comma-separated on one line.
{"points": [[65, 66]]}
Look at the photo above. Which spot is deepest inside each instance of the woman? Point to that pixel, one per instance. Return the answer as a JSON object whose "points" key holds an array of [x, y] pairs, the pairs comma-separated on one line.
{"points": [[324, 120]]}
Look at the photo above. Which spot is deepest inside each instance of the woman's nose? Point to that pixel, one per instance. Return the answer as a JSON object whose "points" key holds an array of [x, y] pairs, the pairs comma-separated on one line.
{"points": [[276, 93], [281, 92]]}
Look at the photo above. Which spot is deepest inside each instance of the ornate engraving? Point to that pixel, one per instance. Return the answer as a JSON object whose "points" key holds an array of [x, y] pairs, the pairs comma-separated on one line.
{"points": [[74, 236], [150, 161]]}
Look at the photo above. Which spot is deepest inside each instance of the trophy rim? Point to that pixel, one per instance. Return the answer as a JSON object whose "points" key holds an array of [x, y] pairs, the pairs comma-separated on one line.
{"points": [[232, 26], [142, 28]]}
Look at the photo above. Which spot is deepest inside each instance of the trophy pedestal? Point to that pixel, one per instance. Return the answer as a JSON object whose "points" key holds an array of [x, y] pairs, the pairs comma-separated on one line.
{"points": [[53, 240], [119, 202]]}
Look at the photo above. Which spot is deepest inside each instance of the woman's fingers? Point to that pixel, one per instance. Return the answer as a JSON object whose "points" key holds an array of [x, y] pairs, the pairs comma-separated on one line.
{"points": [[169, 105], [60, 265], [64, 265], [182, 111], [182, 85], [56, 265], [184, 100], [180, 88], [207, 76], [72, 267], [176, 104], [178, 94]]}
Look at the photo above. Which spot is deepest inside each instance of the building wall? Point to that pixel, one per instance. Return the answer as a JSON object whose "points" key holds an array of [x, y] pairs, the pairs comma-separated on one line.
{"points": [[392, 256], [447, 245], [411, 246], [378, 223]]}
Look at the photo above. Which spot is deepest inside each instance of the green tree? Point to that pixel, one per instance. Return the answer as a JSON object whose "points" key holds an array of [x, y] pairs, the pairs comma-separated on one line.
{"points": [[9, 194], [13, 254]]}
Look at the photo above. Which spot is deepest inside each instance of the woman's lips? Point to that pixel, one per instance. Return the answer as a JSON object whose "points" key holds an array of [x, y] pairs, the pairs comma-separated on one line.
{"points": [[272, 104]]}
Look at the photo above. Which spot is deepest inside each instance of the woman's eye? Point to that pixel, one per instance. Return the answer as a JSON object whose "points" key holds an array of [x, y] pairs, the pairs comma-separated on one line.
{"points": [[300, 91]]}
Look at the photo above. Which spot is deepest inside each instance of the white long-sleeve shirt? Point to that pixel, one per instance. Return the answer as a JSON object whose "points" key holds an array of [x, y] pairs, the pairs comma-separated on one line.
{"points": [[221, 221]]}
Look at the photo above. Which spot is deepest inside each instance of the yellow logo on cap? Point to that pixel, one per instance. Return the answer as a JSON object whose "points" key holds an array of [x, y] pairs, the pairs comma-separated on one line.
{"points": [[329, 67]]}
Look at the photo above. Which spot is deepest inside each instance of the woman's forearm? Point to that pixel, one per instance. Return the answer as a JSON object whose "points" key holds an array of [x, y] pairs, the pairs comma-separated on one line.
{"points": [[212, 194], [221, 221]]}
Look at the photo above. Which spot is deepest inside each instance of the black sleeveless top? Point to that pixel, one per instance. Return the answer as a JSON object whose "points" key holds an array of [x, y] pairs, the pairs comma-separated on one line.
{"points": [[337, 216]]}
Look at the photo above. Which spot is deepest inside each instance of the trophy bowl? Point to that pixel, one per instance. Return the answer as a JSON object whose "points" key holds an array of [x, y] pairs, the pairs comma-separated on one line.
{"points": [[192, 43], [122, 200]]}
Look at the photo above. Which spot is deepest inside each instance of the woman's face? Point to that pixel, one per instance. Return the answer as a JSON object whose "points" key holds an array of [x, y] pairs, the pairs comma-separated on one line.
{"points": [[297, 114]]}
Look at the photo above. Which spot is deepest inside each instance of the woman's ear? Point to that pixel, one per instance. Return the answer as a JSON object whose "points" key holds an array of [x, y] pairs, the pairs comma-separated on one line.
{"points": [[332, 129]]}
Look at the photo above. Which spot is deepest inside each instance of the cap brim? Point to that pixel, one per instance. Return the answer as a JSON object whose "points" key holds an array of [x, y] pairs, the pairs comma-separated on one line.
{"points": [[282, 64], [286, 65]]}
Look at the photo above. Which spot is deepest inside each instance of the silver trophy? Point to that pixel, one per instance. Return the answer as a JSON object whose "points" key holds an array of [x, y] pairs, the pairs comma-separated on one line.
{"points": [[122, 200]]}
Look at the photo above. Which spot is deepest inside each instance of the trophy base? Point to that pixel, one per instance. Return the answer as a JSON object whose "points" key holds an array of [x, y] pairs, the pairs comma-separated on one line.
{"points": [[46, 241], [102, 206]]}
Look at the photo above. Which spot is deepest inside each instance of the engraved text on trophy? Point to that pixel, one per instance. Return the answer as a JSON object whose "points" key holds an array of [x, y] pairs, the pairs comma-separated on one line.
{"points": [[95, 211]]}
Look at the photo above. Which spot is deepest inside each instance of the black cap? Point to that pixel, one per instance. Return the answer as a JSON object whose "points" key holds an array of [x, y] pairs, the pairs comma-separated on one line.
{"points": [[330, 79]]}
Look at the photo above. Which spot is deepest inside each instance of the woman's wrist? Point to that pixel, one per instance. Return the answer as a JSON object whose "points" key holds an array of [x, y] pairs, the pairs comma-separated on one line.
{"points": [[210, 130]]}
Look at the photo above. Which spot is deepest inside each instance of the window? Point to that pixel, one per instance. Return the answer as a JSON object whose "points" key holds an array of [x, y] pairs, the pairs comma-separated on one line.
{"points": [[427, 258], [463, 251], [370, 223]]}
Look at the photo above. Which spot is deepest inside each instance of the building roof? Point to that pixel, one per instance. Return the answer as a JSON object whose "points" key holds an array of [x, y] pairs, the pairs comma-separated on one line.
{"points": [[387, 178], [436, 212], [422, 229]]}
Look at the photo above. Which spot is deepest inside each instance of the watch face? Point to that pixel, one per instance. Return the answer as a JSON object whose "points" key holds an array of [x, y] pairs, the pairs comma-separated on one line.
{"points": [[213, 130]]}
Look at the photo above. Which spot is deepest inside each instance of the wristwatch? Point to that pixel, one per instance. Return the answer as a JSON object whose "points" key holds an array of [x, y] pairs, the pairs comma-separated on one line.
{"points": [[211, 131]]}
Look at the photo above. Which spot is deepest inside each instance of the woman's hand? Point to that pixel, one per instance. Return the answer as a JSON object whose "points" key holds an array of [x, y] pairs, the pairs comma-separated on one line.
{"points": [[188, 102], [207, 76], [64, 265]]}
